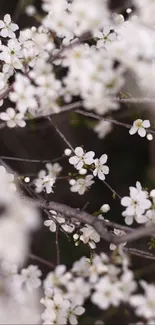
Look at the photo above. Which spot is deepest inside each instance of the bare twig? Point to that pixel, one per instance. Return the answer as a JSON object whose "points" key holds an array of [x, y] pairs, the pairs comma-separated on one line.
{"points": [[31, 160], [57, 244], [41, 260], [137, 252], [108, 119], [112, 190], [60, 134]]}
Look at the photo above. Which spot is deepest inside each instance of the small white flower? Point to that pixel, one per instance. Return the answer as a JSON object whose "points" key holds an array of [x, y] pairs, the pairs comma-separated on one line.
{"points": [[149, 136], [81, 158], [7, 27], [139, 126], [73, 312], [30, 10], [82, 184], [90, 236], [67, 152], [100, 169], [136, 204], [78, 291], [105, 208], [12, 118], [44, 181], [117, 232], [103, 128], [107, 293], [144, 304], [83, 171], [60, 220], [30, 277], [54, 169]]}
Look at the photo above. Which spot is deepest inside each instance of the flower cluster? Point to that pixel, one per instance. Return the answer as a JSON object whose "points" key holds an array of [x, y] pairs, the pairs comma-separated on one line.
{"points": [[46, 179], [139, 205], [66, 292], [83, 161], [19, 219]]}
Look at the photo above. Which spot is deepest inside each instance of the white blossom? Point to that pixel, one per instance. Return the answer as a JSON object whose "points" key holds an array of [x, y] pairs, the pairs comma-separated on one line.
{"points": [[44, 181], [81, 158], [7, 27], [30, 277], [105, 208], [144, 304], [12, 118], [100, 168], [81, 185], [107, 293], [136, 204], [140, 126], [60, 220], [74, 312], [89, 235]]}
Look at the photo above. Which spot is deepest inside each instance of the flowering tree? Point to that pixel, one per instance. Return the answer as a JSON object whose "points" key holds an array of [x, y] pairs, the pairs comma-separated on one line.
{"points": [[76, 60]]}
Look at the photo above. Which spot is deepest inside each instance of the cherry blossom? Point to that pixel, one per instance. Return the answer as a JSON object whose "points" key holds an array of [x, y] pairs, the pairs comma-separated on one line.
{"points": [[81, 185], [12, 118], [44, 181], [60, 220], [7, 27], [140, 126], [144, 304], [136, 204], [30, 277], [81, 158], [100, 169]]}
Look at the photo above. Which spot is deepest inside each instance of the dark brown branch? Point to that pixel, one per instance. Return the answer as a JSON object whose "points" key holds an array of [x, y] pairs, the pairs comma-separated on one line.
{"points": [[97, 224]]}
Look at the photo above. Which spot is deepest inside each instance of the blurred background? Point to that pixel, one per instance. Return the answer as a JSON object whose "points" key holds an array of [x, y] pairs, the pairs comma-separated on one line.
{"points": [[130, 159]]}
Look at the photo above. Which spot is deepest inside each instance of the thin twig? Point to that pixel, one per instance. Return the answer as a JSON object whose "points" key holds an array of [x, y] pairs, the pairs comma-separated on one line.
{"points": [[112, 190], [31, 160], [140, 253], [108, 119], [60, 134], [41, 260], [57, 244]]}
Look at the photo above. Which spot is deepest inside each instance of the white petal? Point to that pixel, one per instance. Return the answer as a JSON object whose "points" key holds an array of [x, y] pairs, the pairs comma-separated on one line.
{"points": [[105, 170], [73, 320], [101, 175], [79, 151], [133, 130], [11, 112], [103, 159], [11, 124], [7, 19], [129, 220], [126, 201], [4, 117], [2, 24], [73, 160], [4, 32], [79, 310], [146, 124], [142, 132]]}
